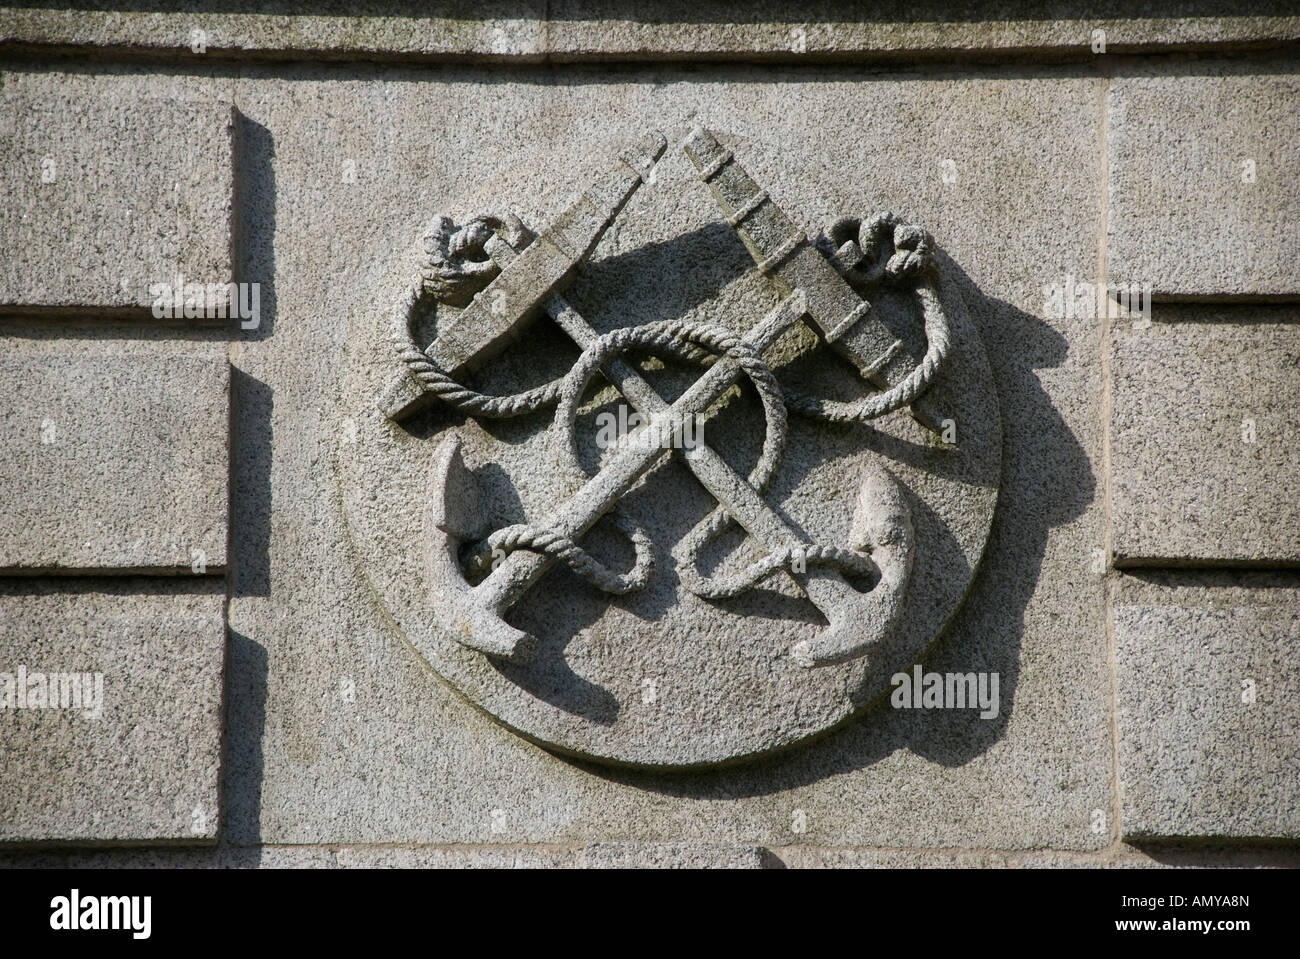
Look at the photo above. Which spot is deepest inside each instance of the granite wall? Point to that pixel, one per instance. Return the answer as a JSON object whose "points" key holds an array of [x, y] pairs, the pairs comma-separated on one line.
{"points": [[175, 513]]}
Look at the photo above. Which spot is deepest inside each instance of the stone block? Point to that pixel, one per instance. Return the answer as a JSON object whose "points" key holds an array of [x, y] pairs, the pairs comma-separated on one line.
{"points": [[218, 856], [106, 198], [453, 776], [1202, 184], [456, 857], [140, 759], [1204, 434], [601, 30], [674, 855], [1207, 714], [113, 462]]}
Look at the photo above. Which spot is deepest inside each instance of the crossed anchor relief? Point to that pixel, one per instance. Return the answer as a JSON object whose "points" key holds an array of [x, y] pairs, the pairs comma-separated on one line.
{"points": [[502, 275]]}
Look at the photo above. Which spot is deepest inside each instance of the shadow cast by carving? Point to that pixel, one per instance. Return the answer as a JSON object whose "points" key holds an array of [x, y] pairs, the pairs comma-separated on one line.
{"points": [[986, 634]]}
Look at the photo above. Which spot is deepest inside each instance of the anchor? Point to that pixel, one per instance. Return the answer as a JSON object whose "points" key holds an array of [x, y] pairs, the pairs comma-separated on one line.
{"points": [[475, 615], [815, 289]]}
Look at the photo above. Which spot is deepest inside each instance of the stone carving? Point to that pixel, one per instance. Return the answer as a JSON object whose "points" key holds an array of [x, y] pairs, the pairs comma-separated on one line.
{"points": [[483, 284]]}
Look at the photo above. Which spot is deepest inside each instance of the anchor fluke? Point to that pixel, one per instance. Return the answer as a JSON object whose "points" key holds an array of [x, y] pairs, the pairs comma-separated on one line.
{"points": [[882, 523], [452, 519]]}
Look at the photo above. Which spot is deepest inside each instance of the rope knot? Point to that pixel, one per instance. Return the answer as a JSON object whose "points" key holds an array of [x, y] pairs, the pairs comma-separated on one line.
{"points": [[880, 250], [458, 264]]}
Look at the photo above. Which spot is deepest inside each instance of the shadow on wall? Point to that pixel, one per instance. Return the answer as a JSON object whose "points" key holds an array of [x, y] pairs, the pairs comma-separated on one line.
{"points": [[252, 401], [255, 218], [1047, 481], [244, 764], [250, 505]]}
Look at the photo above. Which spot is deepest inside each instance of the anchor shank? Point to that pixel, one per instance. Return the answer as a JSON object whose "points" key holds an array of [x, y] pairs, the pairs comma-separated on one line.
{"points": [[825, 587], [509, 581]]}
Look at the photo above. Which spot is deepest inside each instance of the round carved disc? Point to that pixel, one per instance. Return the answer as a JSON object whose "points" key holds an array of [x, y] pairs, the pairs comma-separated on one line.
{"points": [[662, 678]]}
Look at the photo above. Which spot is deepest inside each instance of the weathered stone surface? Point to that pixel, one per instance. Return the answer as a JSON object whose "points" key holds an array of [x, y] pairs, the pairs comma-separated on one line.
{"points": [[219, 856], [596, 855], [113, 461], [345, 750], [674, 856], [146, 764], [664, 677], [1207, 713], [819, 857], [403, 758], [1120, 856], [1193, 855], [488, 856], [107, 196], [457, 857], [602, 30], [1204, 434], [1201, 183], [895, 778]]}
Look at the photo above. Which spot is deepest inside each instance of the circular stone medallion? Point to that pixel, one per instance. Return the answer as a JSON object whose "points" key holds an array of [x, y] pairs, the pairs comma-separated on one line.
{"points": [[659, 677]]}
